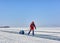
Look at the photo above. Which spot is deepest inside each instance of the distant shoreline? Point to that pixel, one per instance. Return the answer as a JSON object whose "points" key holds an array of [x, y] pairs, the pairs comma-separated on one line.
{"points": [[4, 26]]}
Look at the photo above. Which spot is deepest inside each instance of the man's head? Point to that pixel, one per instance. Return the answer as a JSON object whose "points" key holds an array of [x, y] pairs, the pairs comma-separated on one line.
{"points": [[32, 22]]}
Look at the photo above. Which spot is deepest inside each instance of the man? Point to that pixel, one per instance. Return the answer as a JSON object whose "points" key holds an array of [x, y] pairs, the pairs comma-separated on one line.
{"points": [[32, 27]]}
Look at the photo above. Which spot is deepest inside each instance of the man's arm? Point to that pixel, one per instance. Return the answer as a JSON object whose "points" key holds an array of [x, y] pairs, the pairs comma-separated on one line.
{"points": [[35, 26]]}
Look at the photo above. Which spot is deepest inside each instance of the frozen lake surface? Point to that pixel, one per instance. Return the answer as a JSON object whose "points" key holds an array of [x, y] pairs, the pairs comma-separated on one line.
{"points": [[42, 35]]}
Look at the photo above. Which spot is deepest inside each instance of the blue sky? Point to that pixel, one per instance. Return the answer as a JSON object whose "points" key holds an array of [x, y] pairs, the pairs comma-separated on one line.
{"points": [[22, 12]]}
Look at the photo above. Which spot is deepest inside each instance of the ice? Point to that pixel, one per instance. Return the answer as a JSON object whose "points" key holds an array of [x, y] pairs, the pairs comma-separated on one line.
{"points": [[42, 35]]}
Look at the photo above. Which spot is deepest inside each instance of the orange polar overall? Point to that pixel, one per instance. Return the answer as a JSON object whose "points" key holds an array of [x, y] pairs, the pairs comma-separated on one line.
{"points": [[32, 27]]}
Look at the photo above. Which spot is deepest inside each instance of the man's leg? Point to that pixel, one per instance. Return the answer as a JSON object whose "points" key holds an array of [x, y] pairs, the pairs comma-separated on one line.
{"points": [[33, 32], [29, 32]]}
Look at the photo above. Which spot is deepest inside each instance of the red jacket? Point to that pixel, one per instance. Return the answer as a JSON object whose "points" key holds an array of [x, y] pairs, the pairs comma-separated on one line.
{"points": [[32, 26]]}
